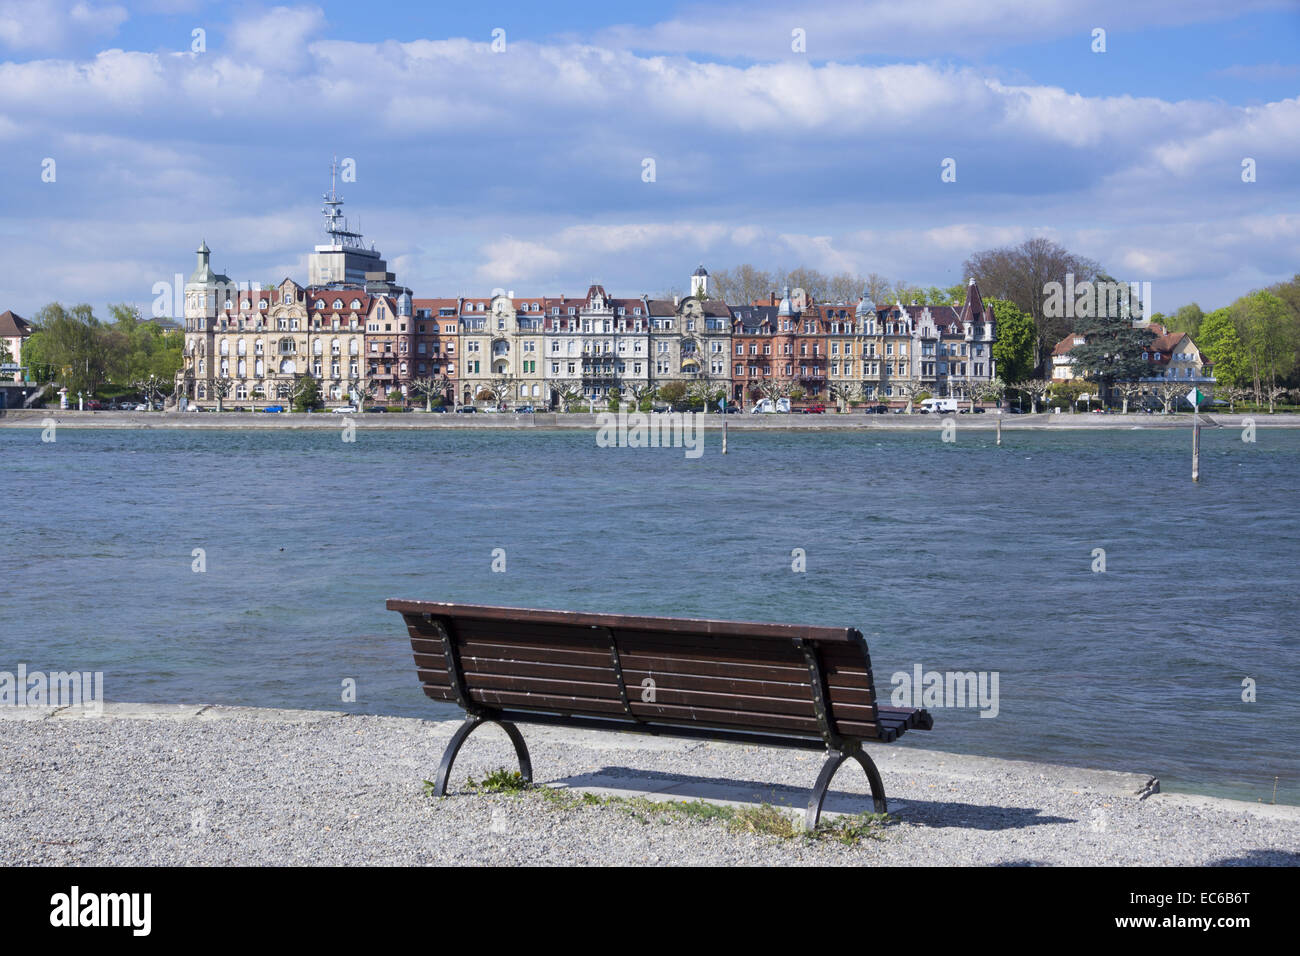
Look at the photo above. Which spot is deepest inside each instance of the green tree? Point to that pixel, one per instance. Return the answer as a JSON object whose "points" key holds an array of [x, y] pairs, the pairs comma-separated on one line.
{"points": [[1222, 346], [1187, 319], [1261, 319], [1014, 349], [1112, 352], [672, 392], [306, 394], [71, 342]]}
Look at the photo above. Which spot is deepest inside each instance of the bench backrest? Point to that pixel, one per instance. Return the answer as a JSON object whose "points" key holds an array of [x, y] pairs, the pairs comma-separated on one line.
{"points": [[805, 684]]}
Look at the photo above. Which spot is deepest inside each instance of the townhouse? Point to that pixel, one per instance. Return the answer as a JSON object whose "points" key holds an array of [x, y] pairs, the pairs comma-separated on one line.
{"points": [[1170, 356], [14, 330]]}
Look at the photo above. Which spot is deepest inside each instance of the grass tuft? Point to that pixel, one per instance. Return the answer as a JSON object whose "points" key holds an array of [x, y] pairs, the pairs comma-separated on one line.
{"points": [[765, 819]]}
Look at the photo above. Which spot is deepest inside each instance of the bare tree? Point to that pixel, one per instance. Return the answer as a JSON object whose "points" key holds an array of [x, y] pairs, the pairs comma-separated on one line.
{"points": [[845, 393], [1128, 391], [1036, 388], [152, 388], [639, 391], [569, 395], [877, 287], [501, 387], [1235, 394], [742, 285], [844, 287], [1274, 394], [815, 283], [360, 392], [910, 390], [221, 389], [1021, 273], [990, 391], [428, 387], [703, 391], [1169, 392]]}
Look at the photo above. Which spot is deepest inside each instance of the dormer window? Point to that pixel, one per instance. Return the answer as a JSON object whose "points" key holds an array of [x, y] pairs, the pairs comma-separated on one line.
{"points": [[320, 303], [262, 304], [356, 304]]}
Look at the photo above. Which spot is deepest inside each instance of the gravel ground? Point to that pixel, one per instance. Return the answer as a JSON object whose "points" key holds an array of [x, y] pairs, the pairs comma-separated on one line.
{"points": [[213, 786]]}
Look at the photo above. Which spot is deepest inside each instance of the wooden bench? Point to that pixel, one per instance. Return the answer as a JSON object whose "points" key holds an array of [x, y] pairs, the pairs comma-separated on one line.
{"points": [[773, 684]]}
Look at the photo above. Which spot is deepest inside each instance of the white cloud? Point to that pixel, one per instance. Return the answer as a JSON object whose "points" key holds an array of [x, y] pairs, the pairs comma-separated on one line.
{"points": [[479, 169], [277, 40], [46, 25], [854, 28]]}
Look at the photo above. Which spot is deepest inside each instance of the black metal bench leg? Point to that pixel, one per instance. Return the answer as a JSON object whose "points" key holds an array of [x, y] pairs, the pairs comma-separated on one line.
{"points": [[834, 758], [458, 740], [873, 777]]}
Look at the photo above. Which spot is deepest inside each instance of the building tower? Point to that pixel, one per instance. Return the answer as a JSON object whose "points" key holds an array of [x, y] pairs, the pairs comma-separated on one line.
{"points": [[700, 283], [343, 259]]}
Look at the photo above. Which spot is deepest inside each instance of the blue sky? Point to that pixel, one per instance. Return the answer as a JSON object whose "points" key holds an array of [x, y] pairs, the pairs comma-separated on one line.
{"points": [[522, 169]]}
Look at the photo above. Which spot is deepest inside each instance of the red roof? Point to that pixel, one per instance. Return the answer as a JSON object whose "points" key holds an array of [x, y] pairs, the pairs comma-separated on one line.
{"points": [[13, 325]]}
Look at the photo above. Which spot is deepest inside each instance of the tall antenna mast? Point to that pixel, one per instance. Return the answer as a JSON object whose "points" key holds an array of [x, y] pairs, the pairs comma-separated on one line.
{"points": [[336, 224]]}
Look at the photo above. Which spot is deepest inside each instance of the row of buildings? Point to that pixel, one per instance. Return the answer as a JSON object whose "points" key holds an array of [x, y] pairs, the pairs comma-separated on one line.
{"points": [[354, 329]]}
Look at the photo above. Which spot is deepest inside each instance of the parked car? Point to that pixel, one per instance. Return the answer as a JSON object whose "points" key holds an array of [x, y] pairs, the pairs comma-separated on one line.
{"points": [[467, 409], [376, 410], [439, 409], [876, 410], [94, 406], [344, 410], [815, 410], [273, 408], [525, 410]]}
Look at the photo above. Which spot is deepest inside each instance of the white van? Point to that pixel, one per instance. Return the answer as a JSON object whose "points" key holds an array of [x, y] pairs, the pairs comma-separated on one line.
{"points": [[938, 406], [768, 406]]}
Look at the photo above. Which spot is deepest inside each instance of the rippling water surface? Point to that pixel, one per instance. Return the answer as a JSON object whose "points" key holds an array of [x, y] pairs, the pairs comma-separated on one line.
{"points": [[958, 557]]}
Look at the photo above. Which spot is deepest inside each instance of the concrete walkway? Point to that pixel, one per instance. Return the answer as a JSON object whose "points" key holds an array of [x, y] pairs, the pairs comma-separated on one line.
{"points": [[193, 784]]}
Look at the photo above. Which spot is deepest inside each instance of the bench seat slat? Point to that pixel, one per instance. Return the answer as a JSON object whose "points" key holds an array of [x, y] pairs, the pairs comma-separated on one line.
{"points": [[719, 683], [718, 716], [700, 663], [490, 673], [668, 694]]}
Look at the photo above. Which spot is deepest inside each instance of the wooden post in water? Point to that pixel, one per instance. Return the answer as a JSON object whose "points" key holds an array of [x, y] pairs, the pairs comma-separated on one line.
{"points": [[724, 427], [1194, 399], [999, 427], [1196, 447]]}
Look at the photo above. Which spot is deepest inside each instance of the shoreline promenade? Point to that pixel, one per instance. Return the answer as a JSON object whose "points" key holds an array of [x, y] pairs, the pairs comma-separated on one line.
{"points": [[560, 421], [213, 785]]}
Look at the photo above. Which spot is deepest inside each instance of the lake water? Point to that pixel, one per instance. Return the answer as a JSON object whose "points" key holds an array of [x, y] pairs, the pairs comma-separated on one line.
{"points": [[957, 557]]}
